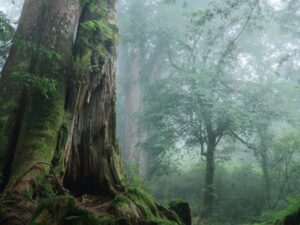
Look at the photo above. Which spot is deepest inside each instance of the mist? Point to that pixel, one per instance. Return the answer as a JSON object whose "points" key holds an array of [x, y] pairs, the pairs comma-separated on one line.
{"points": [[207, 106]]}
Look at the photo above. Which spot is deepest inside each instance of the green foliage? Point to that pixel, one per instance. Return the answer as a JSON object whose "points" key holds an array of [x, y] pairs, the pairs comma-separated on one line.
{"points": [[239, 192], [133, 178], [45, 85], [88, 2], [98, 26], [82, 63], [38, 50], [199, 100], [95, 38], [277, 217]]}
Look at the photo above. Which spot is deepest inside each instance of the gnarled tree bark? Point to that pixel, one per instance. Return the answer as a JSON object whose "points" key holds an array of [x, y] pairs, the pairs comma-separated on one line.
{"points": [[73, 46]]}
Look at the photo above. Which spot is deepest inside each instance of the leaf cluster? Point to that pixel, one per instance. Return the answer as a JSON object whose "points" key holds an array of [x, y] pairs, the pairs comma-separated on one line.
{"points": [[44, 85]]}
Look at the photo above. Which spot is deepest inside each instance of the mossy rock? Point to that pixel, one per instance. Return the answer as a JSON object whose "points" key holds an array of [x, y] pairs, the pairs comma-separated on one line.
{"points": [[182, 209]]}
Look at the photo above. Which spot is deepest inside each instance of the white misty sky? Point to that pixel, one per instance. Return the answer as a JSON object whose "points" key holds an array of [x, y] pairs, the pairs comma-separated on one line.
{"points": [[276, 4], [12, 8]]}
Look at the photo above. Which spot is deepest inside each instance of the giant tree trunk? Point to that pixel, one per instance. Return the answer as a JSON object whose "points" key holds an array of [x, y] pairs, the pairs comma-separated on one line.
{"points": [[30, 116], [58, 98], [92, 154], [57, 121]]}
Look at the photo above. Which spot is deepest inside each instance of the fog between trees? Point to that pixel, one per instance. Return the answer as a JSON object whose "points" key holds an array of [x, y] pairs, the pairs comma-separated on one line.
{"points": [[207, 106]]}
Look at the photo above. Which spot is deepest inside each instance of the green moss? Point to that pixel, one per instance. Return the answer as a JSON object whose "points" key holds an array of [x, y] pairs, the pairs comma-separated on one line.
{"points": [[88, 3], [106, 219], [175, 202], [145, 202], [38, 138], [43, 84], [58, 157], [136, 201], [96, 38], [137, 204], [8, 110], [63, 211], [120, 201], [82, 63], [126, 209], [163, 222], [95, 35], [101, 26], [29, 48]]}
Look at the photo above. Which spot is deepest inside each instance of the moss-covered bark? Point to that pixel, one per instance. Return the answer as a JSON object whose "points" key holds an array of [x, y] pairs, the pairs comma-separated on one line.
{"points": [[92, 155], [57, 120], [35, 79]]}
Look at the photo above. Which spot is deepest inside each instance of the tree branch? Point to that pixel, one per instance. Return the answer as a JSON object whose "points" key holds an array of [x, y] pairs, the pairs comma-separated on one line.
{"points": [[248, 145]]}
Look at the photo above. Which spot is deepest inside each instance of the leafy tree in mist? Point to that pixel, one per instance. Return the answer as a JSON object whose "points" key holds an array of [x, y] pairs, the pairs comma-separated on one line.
{"points": [[198, 105], [208, 97]]}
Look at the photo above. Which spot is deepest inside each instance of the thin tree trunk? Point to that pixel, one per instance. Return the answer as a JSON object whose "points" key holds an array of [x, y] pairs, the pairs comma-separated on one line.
{"points": [[209, 189], [132, 97], [138, 80]]}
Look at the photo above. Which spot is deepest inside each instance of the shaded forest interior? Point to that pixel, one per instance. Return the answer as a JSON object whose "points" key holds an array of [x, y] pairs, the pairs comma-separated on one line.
{"points": [[195, 102]]}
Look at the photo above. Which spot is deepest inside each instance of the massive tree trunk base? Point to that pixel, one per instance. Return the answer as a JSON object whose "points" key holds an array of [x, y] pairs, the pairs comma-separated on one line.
{"points": [[60, 139], [134, 207]]}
